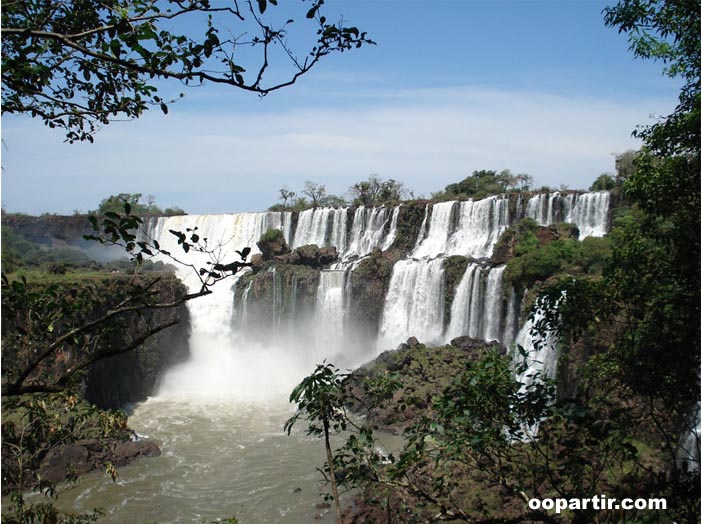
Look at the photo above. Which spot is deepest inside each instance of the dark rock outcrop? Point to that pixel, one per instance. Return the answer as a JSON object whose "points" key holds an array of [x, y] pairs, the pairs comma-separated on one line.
{"points": [[272, 244], [78, 458]]}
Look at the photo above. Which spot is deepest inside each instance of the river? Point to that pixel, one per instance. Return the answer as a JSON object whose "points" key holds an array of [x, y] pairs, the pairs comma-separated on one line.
{"points": [[219, 459]]}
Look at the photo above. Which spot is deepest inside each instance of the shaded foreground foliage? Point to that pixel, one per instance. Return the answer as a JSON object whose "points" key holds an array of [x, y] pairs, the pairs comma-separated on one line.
{"points": [[483, 442]]}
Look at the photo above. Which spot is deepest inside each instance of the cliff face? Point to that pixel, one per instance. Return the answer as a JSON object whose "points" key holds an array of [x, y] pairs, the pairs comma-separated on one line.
{"points": [[36, 314], [133, 376]]}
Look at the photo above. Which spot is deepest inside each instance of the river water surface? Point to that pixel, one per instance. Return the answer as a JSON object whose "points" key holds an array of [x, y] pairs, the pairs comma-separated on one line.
{"points": [[219, 459]]}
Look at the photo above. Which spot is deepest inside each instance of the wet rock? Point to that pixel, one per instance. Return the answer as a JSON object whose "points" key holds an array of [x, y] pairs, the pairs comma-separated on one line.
{"points": [[412, 342], [75, 459], [62, 462]]}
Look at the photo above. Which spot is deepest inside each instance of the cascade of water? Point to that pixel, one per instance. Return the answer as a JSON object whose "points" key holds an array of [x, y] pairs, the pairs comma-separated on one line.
{"points": [[323, 226], [330, 311], [464, 312], [436, 232], [292, 303], [277, 298], [368, 230], [215, 368], [469, 228], [493, 305], [544, 208], [481, 223], [478, 304], [392, 235], [691, 444], [511, 319], [424, 226], [414, 303], [589, 213]]}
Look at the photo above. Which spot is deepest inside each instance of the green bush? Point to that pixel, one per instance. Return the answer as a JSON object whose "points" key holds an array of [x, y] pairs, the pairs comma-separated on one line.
{"points": [[272, 235]]}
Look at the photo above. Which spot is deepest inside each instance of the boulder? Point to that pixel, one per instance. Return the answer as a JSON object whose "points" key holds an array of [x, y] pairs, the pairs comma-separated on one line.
{"points": [[75, 459], [272, 243]]}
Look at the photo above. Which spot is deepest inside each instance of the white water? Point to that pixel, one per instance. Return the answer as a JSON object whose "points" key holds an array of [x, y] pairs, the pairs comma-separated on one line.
{"points": [[469, 228], [414, 303], [588, 211], [331, 310], [321, 226], [222, 364]]}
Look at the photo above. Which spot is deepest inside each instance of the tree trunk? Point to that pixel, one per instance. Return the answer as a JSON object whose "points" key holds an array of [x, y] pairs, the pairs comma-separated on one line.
{"points": [[329, 459]]}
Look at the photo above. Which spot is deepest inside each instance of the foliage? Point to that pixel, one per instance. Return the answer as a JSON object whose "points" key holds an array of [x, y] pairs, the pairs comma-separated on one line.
{"points": [[79, 65], [643, 315], [465, 457], [115, 204], [32, 426], [668, 32], [316, 197], [315, 192], [536, 261], [484, 183], [272, 235], [603, 182], [320, 399], [374, 192]]}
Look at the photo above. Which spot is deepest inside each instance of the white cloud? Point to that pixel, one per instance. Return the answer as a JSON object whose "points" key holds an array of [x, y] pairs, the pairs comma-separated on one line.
{"points": [[227, 161]]}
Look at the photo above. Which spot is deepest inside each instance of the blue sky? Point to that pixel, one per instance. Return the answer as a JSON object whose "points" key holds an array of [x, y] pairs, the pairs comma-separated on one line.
{"points": [[541, 87]]}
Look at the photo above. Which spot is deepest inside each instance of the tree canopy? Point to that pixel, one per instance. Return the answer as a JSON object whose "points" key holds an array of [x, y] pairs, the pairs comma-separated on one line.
{"points": [[116, 203], [78, 65]]}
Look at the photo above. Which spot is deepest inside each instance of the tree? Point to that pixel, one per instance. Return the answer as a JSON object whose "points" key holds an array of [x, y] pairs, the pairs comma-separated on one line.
{"points": [[625, 165], [116, 203], [320, 400], [315, 192], [374, 191], [285, 195], [603, 182], [80, 65]]}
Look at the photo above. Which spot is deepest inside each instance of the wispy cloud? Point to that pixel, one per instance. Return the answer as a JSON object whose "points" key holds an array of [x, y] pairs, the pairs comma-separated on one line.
{"points": [[232, 161]]}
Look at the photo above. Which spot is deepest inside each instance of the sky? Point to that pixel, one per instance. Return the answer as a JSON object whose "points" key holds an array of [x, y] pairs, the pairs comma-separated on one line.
{"points": [[538, 87]]}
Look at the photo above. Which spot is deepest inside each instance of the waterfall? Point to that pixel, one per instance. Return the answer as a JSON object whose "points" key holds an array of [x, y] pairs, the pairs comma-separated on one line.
{"points": [[392, 235], [414, 303], [369, 229], [331, 311], [588, 211], [511, 319], [323, 226], [542, 208], [477, 308], [221, 363], [316, 324], [480, 224], [469, 228]]}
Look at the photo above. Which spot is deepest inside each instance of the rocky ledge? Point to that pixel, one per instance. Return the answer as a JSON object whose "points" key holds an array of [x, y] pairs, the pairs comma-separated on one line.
{"points": [[68, 461]]}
